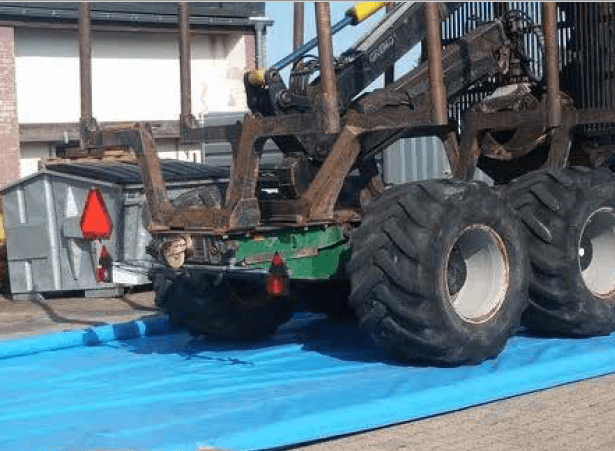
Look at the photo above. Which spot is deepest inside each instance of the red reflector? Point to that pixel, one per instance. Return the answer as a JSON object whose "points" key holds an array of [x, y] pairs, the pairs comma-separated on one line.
{"points": [[277, 260], [95, 221], [275, 286], [101, 275], [103, 270]]}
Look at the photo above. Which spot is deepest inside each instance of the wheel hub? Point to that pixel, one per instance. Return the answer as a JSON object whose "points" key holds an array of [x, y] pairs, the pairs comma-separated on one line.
{"points": [[596, 252], [456, 271], [477, 275]]}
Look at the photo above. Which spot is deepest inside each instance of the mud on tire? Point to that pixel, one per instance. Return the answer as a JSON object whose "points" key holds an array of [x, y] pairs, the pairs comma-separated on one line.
{"points": [[569, 215], [424, 254], [219, 307]]}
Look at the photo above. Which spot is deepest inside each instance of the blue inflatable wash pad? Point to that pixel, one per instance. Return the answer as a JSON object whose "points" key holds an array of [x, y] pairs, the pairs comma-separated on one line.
{"points": [[143, 385]]}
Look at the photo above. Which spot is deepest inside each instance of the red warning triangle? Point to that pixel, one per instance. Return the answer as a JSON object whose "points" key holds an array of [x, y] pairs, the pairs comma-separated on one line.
{"points": [[95, 220]]}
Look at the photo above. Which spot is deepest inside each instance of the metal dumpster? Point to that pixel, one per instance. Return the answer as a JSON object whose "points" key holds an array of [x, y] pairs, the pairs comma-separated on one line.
{"points": [[43, 222]]}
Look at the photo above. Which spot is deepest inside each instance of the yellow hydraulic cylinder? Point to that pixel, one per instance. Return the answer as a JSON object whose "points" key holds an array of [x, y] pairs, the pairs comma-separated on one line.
{"points": [[256, 77], [361, 11]]}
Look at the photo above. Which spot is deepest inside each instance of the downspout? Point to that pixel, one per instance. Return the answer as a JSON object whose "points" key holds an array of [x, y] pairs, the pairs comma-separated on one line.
{"points": [[260, 33]]}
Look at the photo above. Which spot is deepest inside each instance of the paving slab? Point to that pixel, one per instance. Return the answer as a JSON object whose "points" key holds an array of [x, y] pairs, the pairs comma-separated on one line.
{"points": [[25, 318], [573, 417]]}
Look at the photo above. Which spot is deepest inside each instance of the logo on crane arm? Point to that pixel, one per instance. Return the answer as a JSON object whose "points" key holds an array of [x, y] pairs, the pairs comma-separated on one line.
{"points": [[381, 49], [95, 222]]}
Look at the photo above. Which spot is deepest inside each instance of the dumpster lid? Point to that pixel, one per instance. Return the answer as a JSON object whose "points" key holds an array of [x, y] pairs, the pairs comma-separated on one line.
{"points": [[129, 173]]}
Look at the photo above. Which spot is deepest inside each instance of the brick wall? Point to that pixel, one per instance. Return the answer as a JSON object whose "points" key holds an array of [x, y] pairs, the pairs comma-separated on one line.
{"points": [[9, 129], [250, 50]]}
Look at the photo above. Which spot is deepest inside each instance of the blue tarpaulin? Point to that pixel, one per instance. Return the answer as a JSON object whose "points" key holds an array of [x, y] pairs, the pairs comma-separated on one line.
{"points": [[143, 385]]}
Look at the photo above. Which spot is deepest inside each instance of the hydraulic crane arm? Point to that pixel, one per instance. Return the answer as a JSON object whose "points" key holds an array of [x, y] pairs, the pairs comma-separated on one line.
{"points": [[387, 42], [381, 47], [354, 16], [480, 54]]}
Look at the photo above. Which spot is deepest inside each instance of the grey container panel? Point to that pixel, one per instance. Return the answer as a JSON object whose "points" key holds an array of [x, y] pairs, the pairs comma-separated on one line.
{"points": [[24, 204], [414, 159], [42, 213], [77, 255], [219, 154], [41, 256], [423, 158], [216, 154], [27, 234], [134, 238], [130, 173]]}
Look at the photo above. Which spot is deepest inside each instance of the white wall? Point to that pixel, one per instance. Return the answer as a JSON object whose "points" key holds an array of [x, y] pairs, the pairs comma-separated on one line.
{"points": [[135, 76], [31, 153]]}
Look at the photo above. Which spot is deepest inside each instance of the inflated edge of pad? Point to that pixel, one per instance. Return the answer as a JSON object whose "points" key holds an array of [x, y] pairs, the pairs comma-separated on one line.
{"points": [[84, 337]]}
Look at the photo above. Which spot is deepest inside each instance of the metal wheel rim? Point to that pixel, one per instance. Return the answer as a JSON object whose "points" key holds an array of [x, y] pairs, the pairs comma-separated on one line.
{"points": [[487, 274], [599, 230]]}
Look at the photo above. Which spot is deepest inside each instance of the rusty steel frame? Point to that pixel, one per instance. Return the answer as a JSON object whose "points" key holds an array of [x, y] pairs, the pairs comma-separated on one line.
{"points": [[243, 210], [318, 202], [139, 138], [475, 123]]}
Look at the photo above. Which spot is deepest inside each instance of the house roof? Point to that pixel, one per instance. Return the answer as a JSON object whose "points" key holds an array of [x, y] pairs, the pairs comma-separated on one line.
{"points": [[160, 14]]}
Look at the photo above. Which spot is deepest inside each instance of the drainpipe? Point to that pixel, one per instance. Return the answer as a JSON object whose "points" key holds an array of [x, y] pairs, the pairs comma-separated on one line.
{"points": [[260, 30]]}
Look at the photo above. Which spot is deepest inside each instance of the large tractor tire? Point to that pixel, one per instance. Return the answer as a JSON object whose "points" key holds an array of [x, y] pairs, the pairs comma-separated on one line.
{"points": [[209, 305], [569, 215], [330, 297], [439, 272]]}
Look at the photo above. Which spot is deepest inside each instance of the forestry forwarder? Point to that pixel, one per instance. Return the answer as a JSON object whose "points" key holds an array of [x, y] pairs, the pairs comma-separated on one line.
{"points": [[438, 270]]}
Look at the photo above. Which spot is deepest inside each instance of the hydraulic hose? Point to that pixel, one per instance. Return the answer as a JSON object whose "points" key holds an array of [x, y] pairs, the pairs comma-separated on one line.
{"points": [[355, 15]]}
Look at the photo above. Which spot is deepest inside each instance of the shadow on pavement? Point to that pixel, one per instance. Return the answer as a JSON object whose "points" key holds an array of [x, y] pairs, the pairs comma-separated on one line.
{"points": [[53, 316], [340, 339]]}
